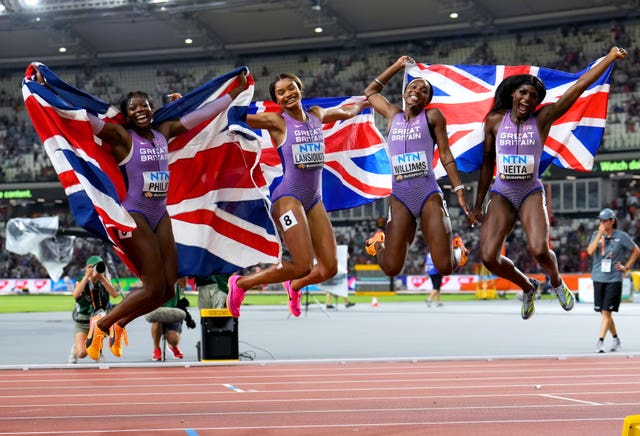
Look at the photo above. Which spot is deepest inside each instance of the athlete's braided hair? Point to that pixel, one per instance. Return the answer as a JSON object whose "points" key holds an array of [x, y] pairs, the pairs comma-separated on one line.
{"points": [[503, 99]]}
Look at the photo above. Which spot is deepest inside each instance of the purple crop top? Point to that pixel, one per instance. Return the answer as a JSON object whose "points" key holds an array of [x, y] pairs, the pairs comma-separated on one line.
{"points": [[302, 156], [146, 175]]}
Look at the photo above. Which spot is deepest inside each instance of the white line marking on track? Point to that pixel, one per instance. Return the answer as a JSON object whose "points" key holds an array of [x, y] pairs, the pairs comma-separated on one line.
{"points": [[548, 380], [448, 388], [572, 399], [444, 361], [380, 412], [233, 388], [311, 426], [359, 399]]}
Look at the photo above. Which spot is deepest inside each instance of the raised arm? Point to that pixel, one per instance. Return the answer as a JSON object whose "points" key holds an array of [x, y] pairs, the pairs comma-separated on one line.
{"points": [[270, 121], [550, 113], [172, 128], [343, 112], [114, 134], [374, 89], [593, 244], [108, 285], [80, 284]]}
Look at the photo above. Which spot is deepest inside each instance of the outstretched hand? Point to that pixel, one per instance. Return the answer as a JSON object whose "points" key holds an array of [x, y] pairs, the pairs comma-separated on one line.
{"points": [[242, 80], [362, 104], [243, 84], [38, 74], [405, 60], [618, 52]]}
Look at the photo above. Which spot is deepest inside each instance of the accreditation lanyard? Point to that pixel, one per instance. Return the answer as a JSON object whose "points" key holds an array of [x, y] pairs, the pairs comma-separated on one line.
{"points": [[93, 303], [605, 264]]}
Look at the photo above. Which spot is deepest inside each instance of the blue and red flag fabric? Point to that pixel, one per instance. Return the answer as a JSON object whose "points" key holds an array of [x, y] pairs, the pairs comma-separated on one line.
{"points": [[464, 94], [357, 170], [217, 195], [87, 171], [220, 171], [219, 216]]}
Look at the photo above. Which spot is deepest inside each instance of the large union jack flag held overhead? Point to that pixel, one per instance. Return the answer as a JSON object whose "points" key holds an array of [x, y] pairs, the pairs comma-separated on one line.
{"points": [[464, 94]]}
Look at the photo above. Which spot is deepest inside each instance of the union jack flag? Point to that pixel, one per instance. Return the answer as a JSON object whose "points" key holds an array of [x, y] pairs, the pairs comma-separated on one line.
{"points": [[357, 170], [220, 220], [217, 198], [87, 171], [464, 94]]}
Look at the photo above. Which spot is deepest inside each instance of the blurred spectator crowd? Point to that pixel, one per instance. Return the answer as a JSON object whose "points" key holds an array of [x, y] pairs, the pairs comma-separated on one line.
{"points": [[347, 72]]}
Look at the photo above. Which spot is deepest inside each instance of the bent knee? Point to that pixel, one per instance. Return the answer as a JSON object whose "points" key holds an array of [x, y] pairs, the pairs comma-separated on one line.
{"points": [[445, 270], [443, 263], [391, 270], [327, 271], [301, 270], [158, 291], [539, 248], [491, 263]]}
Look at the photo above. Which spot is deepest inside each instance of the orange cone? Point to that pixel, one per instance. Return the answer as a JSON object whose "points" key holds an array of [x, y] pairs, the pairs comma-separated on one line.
{"points": [[374, 302]]}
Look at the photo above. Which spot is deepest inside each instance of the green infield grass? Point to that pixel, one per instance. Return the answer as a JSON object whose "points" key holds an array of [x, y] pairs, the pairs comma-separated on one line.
{"points": [[17, 303]]}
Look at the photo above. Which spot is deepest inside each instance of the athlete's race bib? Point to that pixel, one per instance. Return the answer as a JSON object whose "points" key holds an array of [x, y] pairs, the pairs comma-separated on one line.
{"points": [[410, 165], [156, 184], [515, 166], [308, 155]]}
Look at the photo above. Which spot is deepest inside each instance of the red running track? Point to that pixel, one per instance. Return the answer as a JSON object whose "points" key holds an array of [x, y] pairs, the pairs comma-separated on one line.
{"points": [[576, 396]]}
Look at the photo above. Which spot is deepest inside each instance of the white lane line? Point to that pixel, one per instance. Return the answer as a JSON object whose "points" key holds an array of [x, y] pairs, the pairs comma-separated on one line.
{"points": [[198, 374], [358, 399], [233, 388], [440, 361], [379, 412], [414, 387], [571, 399], [442, 424], [364, 380]]}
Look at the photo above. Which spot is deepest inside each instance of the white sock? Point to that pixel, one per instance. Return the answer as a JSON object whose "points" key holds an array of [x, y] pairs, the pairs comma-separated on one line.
{"points": [[457, 254]]}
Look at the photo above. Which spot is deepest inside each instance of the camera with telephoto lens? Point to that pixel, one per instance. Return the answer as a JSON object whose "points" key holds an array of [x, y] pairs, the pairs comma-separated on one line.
{"points": [[183, 303], [100, 267]]}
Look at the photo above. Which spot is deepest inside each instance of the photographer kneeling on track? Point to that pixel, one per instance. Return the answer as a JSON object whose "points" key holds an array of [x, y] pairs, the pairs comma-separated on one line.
{"points": [[167, 321], [92, 293]]}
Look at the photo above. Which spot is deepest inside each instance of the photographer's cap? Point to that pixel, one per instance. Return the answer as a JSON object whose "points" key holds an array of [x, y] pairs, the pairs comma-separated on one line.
{"points": [[606, 214], [94, 260]]}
